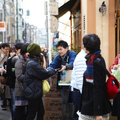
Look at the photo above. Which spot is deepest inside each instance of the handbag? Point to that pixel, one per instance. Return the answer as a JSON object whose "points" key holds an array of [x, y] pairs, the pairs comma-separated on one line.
{"points": [[112, 84], [2, 80], [46, 86], [1, 89]]}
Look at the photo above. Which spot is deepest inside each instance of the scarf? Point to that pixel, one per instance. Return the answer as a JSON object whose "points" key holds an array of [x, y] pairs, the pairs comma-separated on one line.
{"points": [[24, 58], [90, 70]]}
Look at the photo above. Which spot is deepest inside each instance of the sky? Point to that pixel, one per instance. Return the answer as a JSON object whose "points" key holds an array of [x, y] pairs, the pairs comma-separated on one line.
{"points": [[36, 8]]}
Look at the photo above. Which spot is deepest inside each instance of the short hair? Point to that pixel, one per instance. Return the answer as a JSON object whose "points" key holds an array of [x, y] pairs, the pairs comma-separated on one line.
{"points": [[24, 49], [62, 43], [91, 42], [18, 45], [3, 45]]}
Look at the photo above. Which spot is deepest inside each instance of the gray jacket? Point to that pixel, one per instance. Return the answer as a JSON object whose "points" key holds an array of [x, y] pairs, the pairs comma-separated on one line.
{"points": [[19, 73]]}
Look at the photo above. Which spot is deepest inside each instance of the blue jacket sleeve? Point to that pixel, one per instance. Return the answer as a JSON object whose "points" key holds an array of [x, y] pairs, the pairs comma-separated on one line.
{"points": [[54, 63], [72, 57]]}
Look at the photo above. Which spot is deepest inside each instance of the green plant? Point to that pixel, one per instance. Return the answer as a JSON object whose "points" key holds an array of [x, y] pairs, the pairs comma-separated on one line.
{"points": [[77, 50]]}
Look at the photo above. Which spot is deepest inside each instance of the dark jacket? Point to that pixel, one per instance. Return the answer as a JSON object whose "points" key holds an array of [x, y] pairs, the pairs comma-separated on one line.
{"points": [[94, 100], [10, 73], [34, 74]]}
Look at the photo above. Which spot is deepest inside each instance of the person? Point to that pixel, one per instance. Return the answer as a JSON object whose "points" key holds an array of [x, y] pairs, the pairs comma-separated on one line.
{"points": [[18, 47], [10, 79], [75, 89], [64, 60], [20, 101], [116, 105], [32, 83], [115, 63], [94, 104], [3, 57], [45, 52]]}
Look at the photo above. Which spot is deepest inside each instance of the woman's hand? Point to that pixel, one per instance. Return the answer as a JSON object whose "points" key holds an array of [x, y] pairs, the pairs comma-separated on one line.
{"points": [[2, 70], [99, 118], [115, 67]]}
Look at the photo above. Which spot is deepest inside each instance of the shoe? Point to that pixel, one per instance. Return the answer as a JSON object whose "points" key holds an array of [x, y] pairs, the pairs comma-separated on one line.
{"points": [[4, 108]]}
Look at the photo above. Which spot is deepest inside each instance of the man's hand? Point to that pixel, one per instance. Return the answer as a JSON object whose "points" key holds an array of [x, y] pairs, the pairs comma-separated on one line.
{"points": [[63, 68], [99, 118], [2, 70]]}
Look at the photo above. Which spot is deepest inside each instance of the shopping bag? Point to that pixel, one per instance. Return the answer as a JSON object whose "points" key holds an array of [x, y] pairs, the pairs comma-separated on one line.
{"points": [[46, 86]]}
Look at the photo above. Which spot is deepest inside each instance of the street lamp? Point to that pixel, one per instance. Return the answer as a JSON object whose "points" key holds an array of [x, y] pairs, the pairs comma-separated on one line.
{"points": [[102, 9]]}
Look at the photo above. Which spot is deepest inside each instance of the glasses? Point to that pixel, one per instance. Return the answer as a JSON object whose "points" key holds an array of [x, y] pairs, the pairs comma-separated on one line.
{"points": [[7, 49]]}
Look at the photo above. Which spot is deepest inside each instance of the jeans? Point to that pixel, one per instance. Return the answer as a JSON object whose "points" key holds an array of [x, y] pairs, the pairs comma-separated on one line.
{"points": [[35, 106], [75, 97], [4, 98], [13, 108]]}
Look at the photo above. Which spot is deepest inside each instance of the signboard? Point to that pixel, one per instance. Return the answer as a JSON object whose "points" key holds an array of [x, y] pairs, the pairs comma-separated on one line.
{"points": [[2, 26], [53, 8], [53, 24]]}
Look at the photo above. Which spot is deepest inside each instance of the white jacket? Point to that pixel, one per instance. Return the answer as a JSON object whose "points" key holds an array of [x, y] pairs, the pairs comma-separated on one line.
{"points": [[79, 67]]}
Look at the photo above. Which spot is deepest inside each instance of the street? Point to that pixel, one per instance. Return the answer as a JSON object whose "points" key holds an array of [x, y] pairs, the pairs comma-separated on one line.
{"points": [[5, 114]]}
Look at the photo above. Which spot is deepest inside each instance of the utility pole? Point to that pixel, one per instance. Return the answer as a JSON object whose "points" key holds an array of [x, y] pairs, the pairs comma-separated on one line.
{"points": [[17, 18]]}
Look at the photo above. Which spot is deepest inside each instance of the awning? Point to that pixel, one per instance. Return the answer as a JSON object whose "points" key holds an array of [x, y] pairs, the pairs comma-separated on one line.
{"points": [[65, 8]]}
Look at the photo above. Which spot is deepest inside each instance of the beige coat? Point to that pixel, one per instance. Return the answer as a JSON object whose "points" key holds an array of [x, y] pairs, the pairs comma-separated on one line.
{"points": [[2, 60]]}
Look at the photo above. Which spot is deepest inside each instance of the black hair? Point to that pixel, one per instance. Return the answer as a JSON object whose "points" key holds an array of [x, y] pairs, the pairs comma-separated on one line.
{"points": [[62, 43], [18, 45], [3, 45], [91, 42], [12, 49], [24, 48]]}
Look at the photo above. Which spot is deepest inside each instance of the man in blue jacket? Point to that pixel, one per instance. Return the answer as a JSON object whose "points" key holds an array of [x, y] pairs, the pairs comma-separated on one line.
{"points": [[64, 60]]}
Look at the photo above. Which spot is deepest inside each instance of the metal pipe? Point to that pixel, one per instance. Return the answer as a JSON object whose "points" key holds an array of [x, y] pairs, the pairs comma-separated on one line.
{"points": [[69, 25], [17, 18], [117, 11]]}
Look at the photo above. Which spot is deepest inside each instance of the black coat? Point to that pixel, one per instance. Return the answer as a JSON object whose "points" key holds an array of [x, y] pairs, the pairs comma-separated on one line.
{"points": [[94, 100], [34, 74], [10, 76]]}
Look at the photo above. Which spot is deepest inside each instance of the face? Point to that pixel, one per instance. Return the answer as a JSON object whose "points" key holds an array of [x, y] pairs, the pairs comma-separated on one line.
{"points": [[17, 51], [12, 53], [62, 51], [86, 50], [5, 50], [26, 55]]}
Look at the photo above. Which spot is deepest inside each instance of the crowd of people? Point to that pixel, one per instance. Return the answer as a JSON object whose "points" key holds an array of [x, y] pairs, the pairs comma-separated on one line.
{"points": [[24, 67]]}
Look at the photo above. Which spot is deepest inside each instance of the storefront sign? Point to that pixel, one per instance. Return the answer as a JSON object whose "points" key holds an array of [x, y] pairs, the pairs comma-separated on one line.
{"points": [[2, 26]]}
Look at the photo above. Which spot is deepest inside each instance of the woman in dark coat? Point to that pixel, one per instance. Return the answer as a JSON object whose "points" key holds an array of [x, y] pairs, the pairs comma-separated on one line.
{"points": [[94, 102], [32, 84]]}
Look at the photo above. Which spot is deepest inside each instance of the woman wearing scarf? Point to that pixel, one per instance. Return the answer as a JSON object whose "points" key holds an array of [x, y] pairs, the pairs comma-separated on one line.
{"points": [[94, 102], [20, 101]]}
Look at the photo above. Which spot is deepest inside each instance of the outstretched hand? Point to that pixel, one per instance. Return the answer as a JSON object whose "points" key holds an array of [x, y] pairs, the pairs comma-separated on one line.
{"points": [[63, 68]]}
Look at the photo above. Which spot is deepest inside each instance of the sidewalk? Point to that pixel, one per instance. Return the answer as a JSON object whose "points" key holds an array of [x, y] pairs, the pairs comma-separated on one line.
{"points": [[5, 114]]}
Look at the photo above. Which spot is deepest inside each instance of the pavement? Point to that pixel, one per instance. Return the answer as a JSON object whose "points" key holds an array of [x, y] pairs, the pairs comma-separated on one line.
{"points": [[5, 114]]}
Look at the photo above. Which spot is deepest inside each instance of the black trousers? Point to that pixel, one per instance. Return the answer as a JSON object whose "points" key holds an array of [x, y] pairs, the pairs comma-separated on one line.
{"points": [[21, 113], [35, 106]]}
